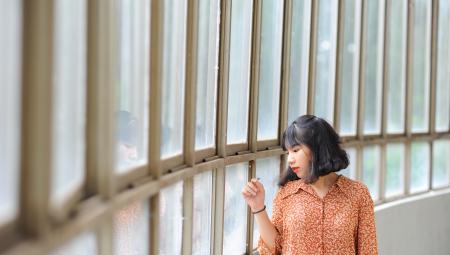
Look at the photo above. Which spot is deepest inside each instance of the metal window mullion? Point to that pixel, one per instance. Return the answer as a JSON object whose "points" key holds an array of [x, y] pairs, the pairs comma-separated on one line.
{"points": [[254, 75], [285, 70], [218, 210], [339, 64], [385, 79], [250, 219], [188, 204], [409, 67], [222, 86], [36, 133], [383, 170], [362, 66], [312, 56]]}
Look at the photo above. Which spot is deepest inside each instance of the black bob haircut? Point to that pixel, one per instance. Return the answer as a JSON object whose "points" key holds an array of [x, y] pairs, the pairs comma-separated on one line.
{"points": [[322, 140]]}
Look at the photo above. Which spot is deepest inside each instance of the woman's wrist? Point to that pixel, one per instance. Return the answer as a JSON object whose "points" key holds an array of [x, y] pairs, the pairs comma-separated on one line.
{"points": [[259, 210]]}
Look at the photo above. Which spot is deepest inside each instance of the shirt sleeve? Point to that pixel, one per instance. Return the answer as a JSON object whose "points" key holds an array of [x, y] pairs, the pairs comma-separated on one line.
{"points": [[277, 221], [367, 236]]}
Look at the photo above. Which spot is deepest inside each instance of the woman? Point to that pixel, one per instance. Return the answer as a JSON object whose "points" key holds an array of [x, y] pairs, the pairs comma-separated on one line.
{"points": [[315, 211]]}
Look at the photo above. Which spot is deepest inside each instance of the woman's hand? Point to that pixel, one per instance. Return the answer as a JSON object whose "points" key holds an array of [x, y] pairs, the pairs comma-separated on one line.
{"points": [[254, 194]]}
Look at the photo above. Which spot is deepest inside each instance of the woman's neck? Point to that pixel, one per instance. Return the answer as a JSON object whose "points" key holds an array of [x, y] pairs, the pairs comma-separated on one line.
{"points": [[325, 182]]}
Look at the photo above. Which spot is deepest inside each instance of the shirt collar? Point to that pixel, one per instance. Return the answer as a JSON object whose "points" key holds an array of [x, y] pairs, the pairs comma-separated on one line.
{"points": [[292, 187]]}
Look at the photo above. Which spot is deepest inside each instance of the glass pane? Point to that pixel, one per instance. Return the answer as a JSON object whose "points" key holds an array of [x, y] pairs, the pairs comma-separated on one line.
{"points": [[326, 59], [239, 73], [10, 80], [83, 244], [420, 165], [299, 60], [371, 169], [133, 83], [443, 68], [350, 171], [235, 215], [69, 98], [270, 69], [421, 65], [395, 167], [350, 67], [374, 67], [208, 66], [397, 67], [174, 58], [131, 229], [201, 234], [171, 219], [268, 170], [441, 163]]}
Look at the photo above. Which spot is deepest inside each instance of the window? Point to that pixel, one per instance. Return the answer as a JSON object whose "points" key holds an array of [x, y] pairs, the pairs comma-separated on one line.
{"points": [[207, 72], [396, 82], [131, 229], [239, 72], [201, 234], [395, 158], [69, 99], [268, 170], [10, 80], [326, 60], [443, 68], [420, 166], [171, 219], [235, 217], [270, 69], [441, 163], [132, 88], [421, 65], [373, 67], [299, 59], [350, 68], [85, 243], [173, 78], [370, 171]]}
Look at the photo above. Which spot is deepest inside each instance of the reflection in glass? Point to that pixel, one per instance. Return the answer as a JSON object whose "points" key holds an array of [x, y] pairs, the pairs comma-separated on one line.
{"points": [[443, 68], [69, 98], [270, 69], [201, 233], [171, 219], [374, 67], [397, 67], [420, 165], [235, 216], [371, 169], [350, 67], [268, 170], [441, 163], [85, 244], [326, 60], [173, 77], [421, 65], [350, 171], [299, 60], [10, 66], [133, 82], [131, 229], [395, 155], [207, 72], [239, 73]]}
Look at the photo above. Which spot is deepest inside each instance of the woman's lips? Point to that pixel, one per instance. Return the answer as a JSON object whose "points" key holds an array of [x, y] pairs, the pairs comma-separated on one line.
{"points": [[295, 169]]}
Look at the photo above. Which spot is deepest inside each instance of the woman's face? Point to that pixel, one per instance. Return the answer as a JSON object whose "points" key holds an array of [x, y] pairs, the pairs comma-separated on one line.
{"points": [[299, 158]]}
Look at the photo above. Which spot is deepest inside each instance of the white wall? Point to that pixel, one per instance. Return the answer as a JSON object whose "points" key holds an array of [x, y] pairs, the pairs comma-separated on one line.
{"points": [[419, 225]]}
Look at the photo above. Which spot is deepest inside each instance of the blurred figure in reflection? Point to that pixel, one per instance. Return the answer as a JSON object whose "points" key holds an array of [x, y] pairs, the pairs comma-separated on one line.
{"points": [[127, 136]]}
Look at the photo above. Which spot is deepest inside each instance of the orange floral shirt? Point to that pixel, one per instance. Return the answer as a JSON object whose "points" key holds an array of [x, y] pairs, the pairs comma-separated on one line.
{"points": [[340, 223]]}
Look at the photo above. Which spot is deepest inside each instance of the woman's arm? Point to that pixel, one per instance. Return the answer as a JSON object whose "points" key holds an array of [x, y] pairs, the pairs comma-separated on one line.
{"points": [[367, 235]]}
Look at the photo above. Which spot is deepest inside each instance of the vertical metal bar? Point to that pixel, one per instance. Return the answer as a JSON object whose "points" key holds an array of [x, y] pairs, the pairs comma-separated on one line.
{"points": [[254, 75], [191, 83], [387, 31], [222, 107], [250, 219], [219, 197], [36, 130], [339, 63], [188, 202], [105, 239], [154, 224], [312, 56], [407, 167], [285, 70], [362, 68]]}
